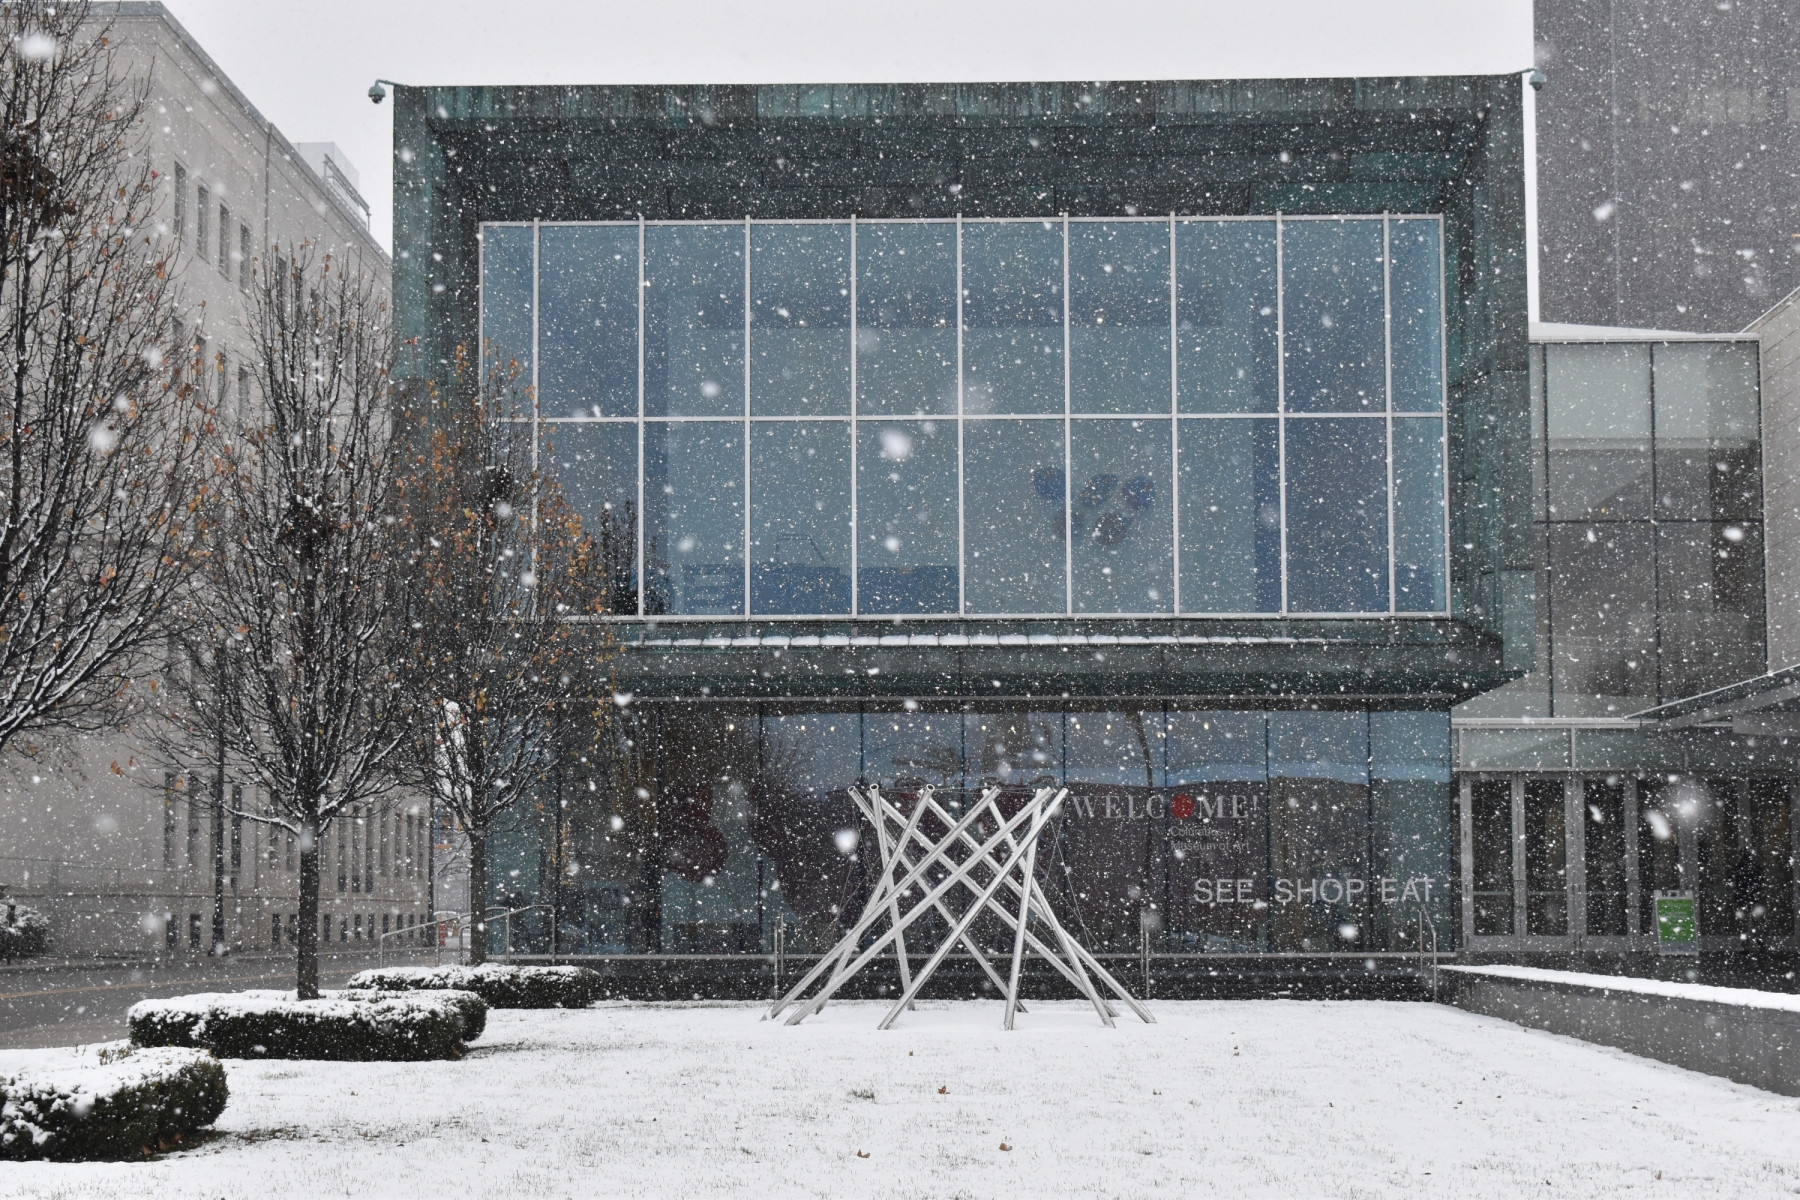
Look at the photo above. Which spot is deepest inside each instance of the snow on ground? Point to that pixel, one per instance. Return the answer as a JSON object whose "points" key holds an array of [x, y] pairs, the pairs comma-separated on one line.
{"points": [[1244, 1098]]}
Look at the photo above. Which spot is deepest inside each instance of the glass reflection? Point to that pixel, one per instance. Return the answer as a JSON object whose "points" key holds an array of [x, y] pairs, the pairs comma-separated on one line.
{"points": [[906, 511], [1230, 516], [1711, 591], [1416, 307], [1598, 422], [1013, 516], [1336, 331], [596, 466], [906, 319], [808, 760], [1603, 621], [588, 329], [693, 320], [1012, 317], [905, 750], [1118, 317], [1708, 451], [1225, 316], [1419, 576], [1337, 515], [1121, 516], [694, 518], [506, 300], [799, 319], [1023, 748], [800, 517]]}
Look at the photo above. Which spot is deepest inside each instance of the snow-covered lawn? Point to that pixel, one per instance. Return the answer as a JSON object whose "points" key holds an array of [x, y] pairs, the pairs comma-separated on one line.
{"points": [[1278, 1098]]}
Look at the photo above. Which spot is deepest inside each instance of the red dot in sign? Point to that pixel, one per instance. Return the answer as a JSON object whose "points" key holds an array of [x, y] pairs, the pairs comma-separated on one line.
{"points": [[1182, 806]]}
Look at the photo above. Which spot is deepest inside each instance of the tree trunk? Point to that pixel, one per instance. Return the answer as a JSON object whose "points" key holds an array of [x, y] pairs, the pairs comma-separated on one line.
{"points": [[306, 985], [477, 895]]}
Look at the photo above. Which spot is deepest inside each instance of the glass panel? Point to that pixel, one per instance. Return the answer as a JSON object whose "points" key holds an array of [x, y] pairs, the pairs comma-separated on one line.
{"points": [[906, 319], [800, 517], [1711, 577], [597, 467], [505, 300], [1013, 516], [694, 514], [1122, 526], [1539, 482], [1714, 820], [1319, 857], [1604, 855], [1225, 316], [1518, 749], [1410, 746], [1419, 582], [709, 889], [1207, 746], [1122, 748], [1603, 620], [1659, 840], [1337, 516], [1763, 902], [588, 332], [1118, 317], [1319, 745], [1599, 431], [1490, 828], [1336, 331], [1230, 516], [906, 517], [905, 750], [1708, 453], [1546, 859], [808, 761], [1012, 317], [694, 320], [799, 320], [1416, 308], [1017, 748]]}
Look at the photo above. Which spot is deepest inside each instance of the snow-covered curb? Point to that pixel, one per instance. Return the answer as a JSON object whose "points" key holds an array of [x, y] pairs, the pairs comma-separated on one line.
{"points": [[355, 1026], [1742, 997], [107, 1101], [500, 985]]}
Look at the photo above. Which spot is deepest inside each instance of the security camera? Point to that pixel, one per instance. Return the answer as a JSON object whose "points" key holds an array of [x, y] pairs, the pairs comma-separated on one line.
{"points": [[377, 93]]}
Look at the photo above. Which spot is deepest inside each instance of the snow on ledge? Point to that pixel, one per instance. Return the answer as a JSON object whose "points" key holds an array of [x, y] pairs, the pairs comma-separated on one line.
{"points": [[1741, 997]]}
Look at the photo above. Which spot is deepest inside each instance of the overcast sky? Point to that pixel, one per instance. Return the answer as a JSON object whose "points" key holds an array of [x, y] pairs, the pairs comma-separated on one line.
{"points": [[307, 64]]}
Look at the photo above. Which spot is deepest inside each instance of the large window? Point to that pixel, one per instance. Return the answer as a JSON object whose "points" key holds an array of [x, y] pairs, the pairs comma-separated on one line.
{"points": [[1124, 416]]}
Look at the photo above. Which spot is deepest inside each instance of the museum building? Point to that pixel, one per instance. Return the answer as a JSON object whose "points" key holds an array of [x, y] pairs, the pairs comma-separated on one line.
{"points": [[1178, 443]]}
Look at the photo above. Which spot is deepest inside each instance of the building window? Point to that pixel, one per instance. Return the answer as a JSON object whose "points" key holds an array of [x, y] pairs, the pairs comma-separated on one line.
{"points": [[194, 808], [202, 220], [237, 831], [171, 931], [181, 204], [368, 860], [243, 257], [1128, 416], [342, 837], [224, 241], [193, 931], [274, 931]]}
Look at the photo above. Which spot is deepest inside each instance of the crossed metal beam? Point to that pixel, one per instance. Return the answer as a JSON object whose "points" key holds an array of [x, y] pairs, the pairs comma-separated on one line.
{"points": [[910, 860]]}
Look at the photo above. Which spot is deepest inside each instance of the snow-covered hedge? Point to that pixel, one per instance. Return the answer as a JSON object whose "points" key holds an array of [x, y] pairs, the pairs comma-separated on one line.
{"points": [[348, 1026], [23, 931], [108, 1102], [501, 986]]}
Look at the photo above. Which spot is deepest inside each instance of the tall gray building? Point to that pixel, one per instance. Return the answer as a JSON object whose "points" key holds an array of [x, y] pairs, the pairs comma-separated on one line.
{"points": [[1668, 161]]}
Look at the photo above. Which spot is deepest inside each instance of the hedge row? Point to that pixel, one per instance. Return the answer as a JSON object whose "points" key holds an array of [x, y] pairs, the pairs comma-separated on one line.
{"points": [[23, 931], [501, 986], [120, 1103], [341, 1026]]}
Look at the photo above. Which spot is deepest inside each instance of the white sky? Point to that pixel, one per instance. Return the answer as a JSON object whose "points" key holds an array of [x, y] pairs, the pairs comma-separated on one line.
{"points": [[307, 64]]}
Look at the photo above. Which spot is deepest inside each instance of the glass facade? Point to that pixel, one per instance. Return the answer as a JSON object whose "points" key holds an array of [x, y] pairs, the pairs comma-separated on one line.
{"points": [[1120, 416], [704, 827]]}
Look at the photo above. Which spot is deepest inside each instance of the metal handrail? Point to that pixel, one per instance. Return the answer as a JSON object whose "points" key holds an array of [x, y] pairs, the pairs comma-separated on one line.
{"points": [[381, 939]]}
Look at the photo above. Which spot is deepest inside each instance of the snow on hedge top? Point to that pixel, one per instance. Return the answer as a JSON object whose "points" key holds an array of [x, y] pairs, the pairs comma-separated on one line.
{"points": [[92, 1071], [462, 977], [260, 1003], [1742, 997]]}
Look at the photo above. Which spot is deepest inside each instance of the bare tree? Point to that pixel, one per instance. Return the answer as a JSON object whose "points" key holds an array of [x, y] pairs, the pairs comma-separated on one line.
{"points": [[97, 458], [501, 572], [293, 644]]}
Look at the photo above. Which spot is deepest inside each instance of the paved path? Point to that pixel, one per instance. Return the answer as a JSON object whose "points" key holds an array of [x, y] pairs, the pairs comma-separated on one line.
{"points": [[65, 1003]]}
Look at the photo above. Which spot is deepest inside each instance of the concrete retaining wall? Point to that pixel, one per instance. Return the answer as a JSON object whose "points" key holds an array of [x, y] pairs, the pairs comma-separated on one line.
{"points": [[1751, 1037]]}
